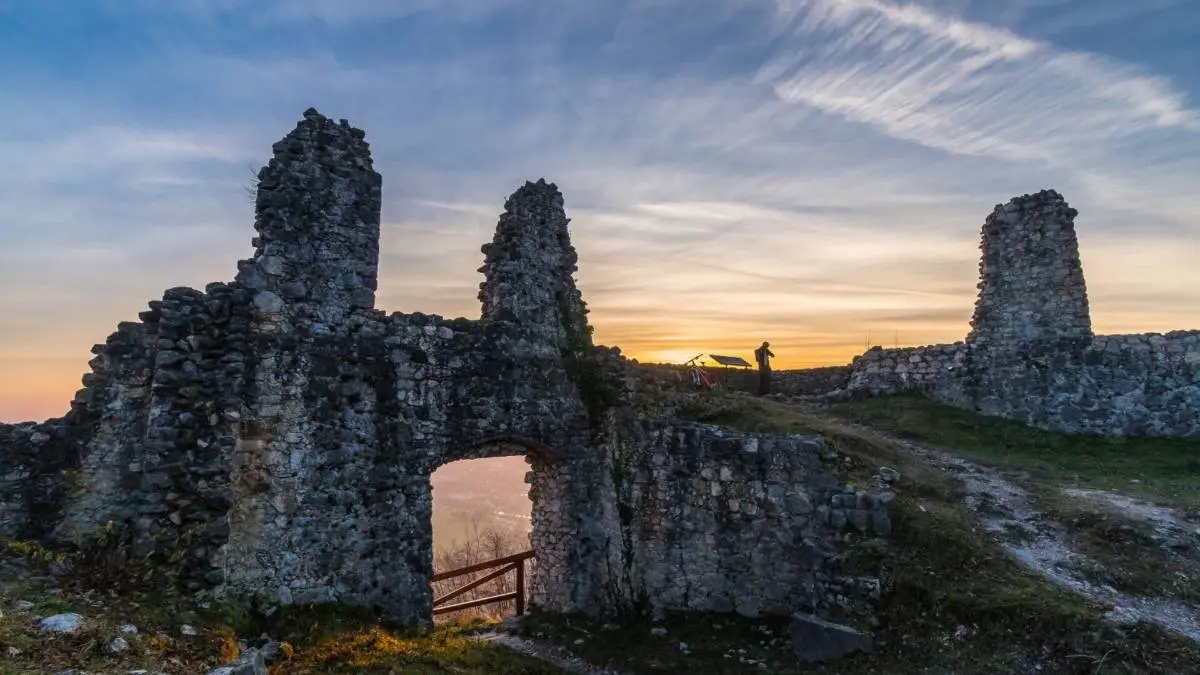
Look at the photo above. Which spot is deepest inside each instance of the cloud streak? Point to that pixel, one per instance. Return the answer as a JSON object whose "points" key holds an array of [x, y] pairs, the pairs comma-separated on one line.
{"points": [[971, 89], [812, 172], [965, 88]]}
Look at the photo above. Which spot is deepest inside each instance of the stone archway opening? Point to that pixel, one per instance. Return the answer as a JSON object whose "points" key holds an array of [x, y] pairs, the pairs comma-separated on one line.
{"points": [[481, 508], [494, 501]]}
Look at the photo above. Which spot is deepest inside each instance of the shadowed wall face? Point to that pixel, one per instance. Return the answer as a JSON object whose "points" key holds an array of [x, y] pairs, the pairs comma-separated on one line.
{"points": [[529, 268], [348, 412], [317, 214], [741, 523]]}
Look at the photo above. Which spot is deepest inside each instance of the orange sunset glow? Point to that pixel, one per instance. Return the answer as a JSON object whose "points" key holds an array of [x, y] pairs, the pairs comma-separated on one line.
{"points": [[686, 309], [803, 189]]}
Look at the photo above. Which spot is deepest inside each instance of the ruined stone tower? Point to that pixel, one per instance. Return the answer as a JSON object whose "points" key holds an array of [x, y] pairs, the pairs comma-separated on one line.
{"points": [[1031, 285], [529, 268], [316, 255]]}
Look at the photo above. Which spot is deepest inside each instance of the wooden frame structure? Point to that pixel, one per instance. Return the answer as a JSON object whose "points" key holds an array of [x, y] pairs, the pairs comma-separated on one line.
{"points": [[507, 564]]}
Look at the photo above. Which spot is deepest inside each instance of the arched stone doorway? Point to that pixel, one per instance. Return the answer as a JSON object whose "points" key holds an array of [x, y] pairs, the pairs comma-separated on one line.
{"points": [[550, 527]]}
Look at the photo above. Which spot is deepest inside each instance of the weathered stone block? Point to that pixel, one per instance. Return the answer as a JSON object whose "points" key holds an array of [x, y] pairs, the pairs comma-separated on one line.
{"points": [[815, 640]]}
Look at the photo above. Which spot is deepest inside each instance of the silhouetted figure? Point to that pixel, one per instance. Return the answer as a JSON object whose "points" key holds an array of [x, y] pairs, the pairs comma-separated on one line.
{"points": [[763, 356]]}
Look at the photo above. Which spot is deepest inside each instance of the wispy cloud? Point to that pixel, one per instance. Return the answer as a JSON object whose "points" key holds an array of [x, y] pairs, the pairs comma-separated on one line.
{"points": [[972, 89], [963, 87], [813, 172]]}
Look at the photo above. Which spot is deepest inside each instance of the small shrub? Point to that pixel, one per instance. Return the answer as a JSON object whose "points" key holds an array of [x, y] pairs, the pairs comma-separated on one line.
{"points": [[229, 649]]}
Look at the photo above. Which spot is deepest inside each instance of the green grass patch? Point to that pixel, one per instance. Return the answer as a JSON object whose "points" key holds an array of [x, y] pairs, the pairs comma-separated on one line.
{"points": [[740, 411], [681, 643], [1166, 471], [953, 599], [449, 648]]}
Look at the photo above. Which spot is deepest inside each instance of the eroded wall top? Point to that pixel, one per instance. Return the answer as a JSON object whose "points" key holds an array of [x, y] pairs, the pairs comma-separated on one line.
{"points": [[529, 268], [316, 255]]}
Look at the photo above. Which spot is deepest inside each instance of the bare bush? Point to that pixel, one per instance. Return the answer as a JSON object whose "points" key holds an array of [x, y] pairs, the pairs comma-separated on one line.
{"points": [[484, 543], [250, 188]]}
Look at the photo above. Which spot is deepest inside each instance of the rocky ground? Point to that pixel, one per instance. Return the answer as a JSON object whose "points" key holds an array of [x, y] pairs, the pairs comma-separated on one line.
{"points": [[1013, 551]]}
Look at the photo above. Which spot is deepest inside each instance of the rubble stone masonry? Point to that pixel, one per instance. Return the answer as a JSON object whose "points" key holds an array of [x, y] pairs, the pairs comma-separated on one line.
{"points": [[274, 436]]}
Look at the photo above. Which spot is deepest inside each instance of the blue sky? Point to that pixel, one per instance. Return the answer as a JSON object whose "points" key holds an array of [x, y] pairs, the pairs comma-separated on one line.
{"points": [[806, 171]]}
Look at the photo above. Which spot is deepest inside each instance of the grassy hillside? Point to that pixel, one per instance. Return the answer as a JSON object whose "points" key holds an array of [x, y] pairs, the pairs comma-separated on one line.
{"points": [[314, 640], [953, 601], [1165, 470]]}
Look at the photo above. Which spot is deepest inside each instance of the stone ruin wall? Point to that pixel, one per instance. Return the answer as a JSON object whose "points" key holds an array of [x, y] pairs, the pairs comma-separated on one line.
{"points": [[1031, 286], [888, 371], [805, 381], [797, 382], [1031, 355], [1112, 385], [726, 521], [273, 437], [876, 371]]}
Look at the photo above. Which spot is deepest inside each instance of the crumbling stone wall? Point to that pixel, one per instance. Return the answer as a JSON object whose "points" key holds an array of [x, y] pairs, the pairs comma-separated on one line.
{"points": [[34, 462], [342, 510], [273, 437], [163, 401], [888, 371], [1031, 354], [807, 381], [724, 521], [1113, 385]]}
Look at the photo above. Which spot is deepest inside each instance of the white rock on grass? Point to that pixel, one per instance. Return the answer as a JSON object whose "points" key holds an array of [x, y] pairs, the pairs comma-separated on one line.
{"points": [[250, 662], [117, 645], [62, 623]]}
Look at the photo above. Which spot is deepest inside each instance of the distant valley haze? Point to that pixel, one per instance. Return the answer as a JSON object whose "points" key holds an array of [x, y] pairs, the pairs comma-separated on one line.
{"points": [[810, 172], [473, 494]]}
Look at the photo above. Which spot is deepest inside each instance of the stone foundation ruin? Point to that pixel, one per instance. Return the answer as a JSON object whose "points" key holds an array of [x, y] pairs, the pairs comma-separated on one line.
{"points": [[273, 437], [1031, 355]]}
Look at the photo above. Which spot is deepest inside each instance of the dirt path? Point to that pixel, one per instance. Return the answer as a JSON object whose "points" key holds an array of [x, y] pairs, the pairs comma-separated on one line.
{"points": [[1170, 524], [1003, 508]]}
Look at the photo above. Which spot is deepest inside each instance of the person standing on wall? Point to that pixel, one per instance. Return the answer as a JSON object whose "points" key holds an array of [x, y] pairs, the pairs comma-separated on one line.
{"points": [[763, 356]]}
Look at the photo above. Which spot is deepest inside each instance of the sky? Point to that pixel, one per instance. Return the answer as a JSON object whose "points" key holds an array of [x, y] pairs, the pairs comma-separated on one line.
{"points": [[810, 172]]}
